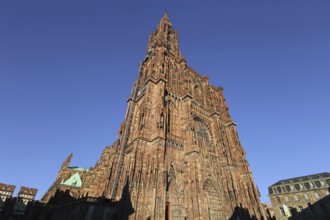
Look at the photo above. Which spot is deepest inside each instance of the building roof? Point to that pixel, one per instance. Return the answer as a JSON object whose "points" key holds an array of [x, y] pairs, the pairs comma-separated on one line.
{"points": [[74, 180], [27, 191], [78, 169], [6, 187], [302, 178]]}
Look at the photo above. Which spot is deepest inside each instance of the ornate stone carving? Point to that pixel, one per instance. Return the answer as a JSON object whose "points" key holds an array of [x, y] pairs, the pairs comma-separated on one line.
{"points": [[182, 155]]}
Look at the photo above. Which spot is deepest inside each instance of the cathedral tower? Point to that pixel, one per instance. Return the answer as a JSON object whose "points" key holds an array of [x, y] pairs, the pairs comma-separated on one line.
{"points": [[178, 155]]}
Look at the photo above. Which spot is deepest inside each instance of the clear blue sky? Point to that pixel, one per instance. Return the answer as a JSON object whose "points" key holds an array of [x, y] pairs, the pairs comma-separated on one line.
{"points": [[67, 68]]}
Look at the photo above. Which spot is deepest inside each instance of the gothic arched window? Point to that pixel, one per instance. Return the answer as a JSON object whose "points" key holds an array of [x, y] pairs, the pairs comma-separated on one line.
{"points": [[202, 136]]}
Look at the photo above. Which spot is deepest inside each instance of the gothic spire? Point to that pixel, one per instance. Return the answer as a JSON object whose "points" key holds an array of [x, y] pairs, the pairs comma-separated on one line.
{"points": [[165, 36], [165, 17]]}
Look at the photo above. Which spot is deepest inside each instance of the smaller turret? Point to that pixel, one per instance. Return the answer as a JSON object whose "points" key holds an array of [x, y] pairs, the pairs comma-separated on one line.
{"points": [[66, 162]]}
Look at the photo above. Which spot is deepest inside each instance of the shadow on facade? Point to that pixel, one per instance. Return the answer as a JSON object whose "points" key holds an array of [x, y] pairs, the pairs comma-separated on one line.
{"points": [[319, 210], [270, 216], [13, 208], [241, 213], [63, 206]]}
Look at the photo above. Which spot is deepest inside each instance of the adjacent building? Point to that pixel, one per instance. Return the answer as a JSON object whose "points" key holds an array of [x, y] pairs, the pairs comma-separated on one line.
{"points": [[25, 195], [15, 207], [6, 192], [305, 197]]}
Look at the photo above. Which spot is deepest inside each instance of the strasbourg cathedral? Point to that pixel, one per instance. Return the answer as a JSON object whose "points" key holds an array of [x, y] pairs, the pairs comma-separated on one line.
{"points": [[178, 155]]}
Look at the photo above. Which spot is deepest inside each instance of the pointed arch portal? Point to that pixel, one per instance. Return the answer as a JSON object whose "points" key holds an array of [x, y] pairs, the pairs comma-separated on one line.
{"points": [[174, 208], [213, 200]]}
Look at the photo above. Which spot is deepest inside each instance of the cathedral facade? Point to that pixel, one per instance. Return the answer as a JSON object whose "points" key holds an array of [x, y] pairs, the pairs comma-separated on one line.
{"points": [[178, 155]]}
